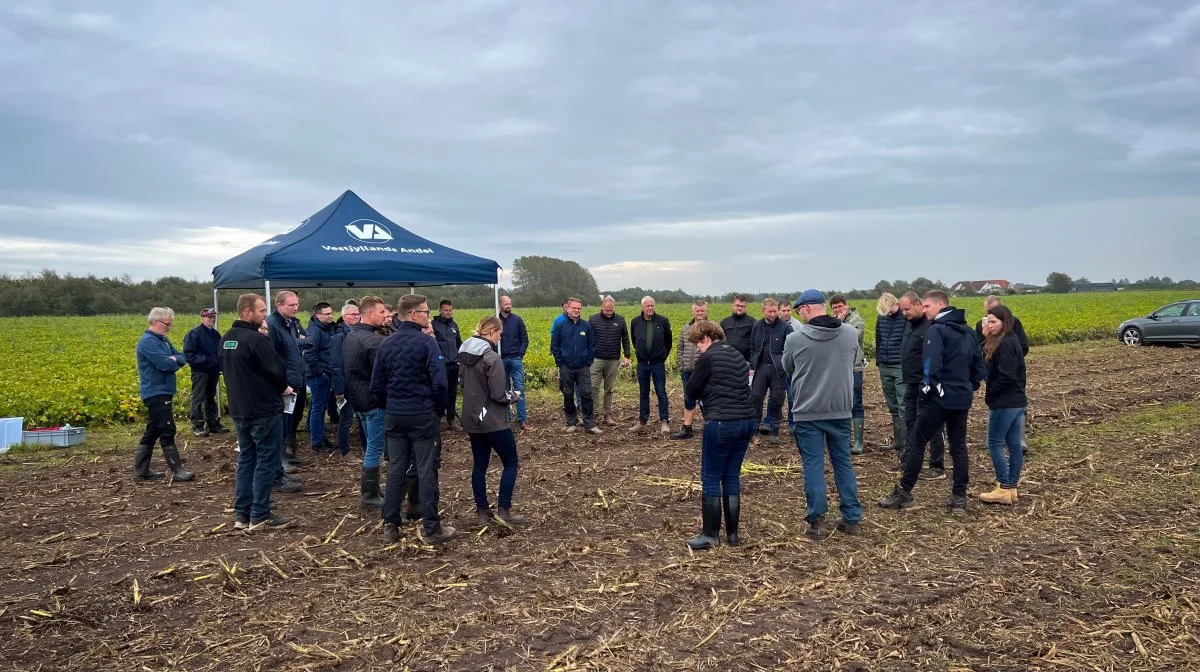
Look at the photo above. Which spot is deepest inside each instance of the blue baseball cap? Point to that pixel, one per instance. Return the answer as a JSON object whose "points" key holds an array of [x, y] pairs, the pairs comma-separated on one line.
{"points": [[809, 297]]}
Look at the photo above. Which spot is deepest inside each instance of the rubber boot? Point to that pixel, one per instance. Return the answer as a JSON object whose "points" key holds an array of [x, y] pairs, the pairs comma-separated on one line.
{"points": [[141, 464], [289, 452], [171, 452], [733, 511], [413, 487], [685, 432], [857, 448], [369, 489], [710, 530], [899, 437]]}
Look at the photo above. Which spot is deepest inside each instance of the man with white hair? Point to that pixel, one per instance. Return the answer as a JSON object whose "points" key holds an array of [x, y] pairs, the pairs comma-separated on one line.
{"points": [[157, 361], [652, 341]]}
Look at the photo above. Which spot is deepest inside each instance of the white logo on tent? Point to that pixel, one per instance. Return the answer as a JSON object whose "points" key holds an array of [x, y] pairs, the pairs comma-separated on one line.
{"points": [[368, 231]]}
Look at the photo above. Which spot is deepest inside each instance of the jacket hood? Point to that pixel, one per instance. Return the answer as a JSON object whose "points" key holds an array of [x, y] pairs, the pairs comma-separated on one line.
{"points": [[955, 318], [327, 327], [821, 328], [473, 349]]}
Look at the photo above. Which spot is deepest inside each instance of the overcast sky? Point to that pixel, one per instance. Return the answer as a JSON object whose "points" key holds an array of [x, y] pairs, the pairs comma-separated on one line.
{"points": [[707, 146]]}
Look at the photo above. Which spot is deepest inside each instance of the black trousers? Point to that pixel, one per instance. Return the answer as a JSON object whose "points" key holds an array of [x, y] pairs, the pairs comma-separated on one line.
{"points": [[451, 390], [930, 419], [766, 378], [204, 399], [292, 422], [160, 427], [577, 381], [412, 440], [937, 446]]}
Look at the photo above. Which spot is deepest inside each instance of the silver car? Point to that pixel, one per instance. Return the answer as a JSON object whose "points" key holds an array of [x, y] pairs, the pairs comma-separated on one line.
{"points": [[1175, 323]]}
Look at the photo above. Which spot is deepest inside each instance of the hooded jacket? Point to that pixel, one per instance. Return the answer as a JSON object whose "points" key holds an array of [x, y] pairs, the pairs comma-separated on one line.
{"points": [[737, 330], [318, 359], [764, 333], [820, 360], [889, 338], [953, 362], [856, 320], [484, 388], [255, 377]]}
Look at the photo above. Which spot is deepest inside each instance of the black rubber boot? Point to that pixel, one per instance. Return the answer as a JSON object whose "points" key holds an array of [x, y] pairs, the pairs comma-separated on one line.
{"points": [[369, 490], [733, 511], [412, 487], [710, 529], [289, 452], [171, 452], [141, 464], [685, 432]]}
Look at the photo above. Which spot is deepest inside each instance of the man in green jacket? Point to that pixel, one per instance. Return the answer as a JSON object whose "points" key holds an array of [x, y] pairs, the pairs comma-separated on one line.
{"points": [[851, 316]]}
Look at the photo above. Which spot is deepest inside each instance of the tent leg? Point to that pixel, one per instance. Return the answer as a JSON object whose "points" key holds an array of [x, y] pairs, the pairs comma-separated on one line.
{"points": [[496, 288], [218, 378], [267, 296]]}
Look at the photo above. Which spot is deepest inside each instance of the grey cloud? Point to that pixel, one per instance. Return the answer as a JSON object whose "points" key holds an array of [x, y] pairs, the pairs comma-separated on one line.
{"points": [[619, 134]]}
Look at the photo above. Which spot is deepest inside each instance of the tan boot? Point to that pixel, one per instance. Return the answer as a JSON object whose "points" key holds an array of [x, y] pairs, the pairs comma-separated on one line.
{"points": [[998, 495], [1013, 496]]}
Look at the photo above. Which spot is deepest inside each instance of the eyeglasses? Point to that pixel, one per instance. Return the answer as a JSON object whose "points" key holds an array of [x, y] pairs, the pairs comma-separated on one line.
{"points": [[166, 322], [417, 312]]}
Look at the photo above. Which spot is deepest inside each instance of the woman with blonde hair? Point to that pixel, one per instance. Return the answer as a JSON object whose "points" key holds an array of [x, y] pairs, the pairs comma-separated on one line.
{"points": [[1006, 402], [485, 400], [889, 349]]}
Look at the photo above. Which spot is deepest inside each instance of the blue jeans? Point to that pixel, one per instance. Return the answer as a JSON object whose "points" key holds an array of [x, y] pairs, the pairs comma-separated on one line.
{"points": [[788, 396], [514, 372], [657, 372], [1004, 428], [813, 438], [373, 424], [261, 443], [857, 410], [722, 448], [505, 445], [689, 404], [318, 394]]}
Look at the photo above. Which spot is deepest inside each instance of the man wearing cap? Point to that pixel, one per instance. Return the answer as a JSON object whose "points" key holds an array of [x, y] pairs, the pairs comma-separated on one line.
{"points": [[200, 346], [819, 357]]}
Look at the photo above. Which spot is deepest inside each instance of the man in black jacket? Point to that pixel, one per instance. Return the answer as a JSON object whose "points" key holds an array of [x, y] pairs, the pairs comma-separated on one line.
{"points": [[738, 327], [257, 383], [359, 348], [953, 369], [1018, 328], [911, 372], [449, 339], [766, 368], [612, 339], [200, 347], [283, 328], [652, 341], [318, 363]]}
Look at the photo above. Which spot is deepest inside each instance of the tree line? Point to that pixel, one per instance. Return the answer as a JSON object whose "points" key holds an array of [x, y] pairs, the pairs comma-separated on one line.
{"points": [[537, 281]]}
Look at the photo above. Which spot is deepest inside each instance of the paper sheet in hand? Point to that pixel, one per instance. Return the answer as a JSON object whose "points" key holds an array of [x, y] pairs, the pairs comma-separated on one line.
{"points": [[289, 403]]}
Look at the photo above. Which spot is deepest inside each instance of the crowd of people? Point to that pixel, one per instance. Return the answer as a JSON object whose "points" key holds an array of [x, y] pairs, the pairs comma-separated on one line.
{"points": [[400, 373]]}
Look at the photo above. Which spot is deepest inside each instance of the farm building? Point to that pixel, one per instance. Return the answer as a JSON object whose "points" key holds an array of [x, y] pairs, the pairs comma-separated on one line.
{"points": [[981, 287], [1094, 287]]}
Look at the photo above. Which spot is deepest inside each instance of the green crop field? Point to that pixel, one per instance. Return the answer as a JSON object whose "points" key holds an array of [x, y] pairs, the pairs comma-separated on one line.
{"points": [[82, 370]]}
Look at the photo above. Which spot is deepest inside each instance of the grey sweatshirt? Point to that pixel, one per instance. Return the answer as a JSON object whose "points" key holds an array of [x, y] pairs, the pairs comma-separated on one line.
{"points": [[820, 360]]}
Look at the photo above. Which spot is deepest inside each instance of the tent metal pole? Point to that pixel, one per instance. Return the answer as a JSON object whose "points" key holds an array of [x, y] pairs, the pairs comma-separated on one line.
{"points": [[267, 296], [218, 378], [496, 288]]}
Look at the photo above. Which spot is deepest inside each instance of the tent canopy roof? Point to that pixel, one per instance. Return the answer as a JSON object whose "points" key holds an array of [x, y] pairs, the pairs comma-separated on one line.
{"points": [[346, 244]]}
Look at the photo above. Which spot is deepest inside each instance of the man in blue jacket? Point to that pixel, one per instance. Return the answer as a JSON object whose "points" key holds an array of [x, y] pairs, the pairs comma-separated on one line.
{"points": [[409, 379], [514, 342], [286, 336], [157, 362], [319, 372], [200, 345], [573, 345], [953, 370]]}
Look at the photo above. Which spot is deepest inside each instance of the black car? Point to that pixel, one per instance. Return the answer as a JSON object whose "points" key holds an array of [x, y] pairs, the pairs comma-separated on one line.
{"points": [[1178, 322]]}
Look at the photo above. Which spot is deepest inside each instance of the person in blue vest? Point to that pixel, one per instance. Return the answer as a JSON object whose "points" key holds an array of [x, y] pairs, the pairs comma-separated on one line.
{"points": [[157, 362], [573, 345], [200, 345]]}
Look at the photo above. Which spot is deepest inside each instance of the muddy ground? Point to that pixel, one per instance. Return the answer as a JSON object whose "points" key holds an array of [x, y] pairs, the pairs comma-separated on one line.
{"points": [[1097, 567]]}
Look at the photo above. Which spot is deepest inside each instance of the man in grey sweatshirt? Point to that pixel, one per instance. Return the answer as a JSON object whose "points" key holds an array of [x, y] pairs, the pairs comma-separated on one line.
{"points": [[819, 358]]}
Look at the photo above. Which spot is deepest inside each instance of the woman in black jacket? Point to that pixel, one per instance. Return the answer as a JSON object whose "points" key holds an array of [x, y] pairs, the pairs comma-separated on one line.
{"points": [[486, 397], [1006, 402], [719, 383]]}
